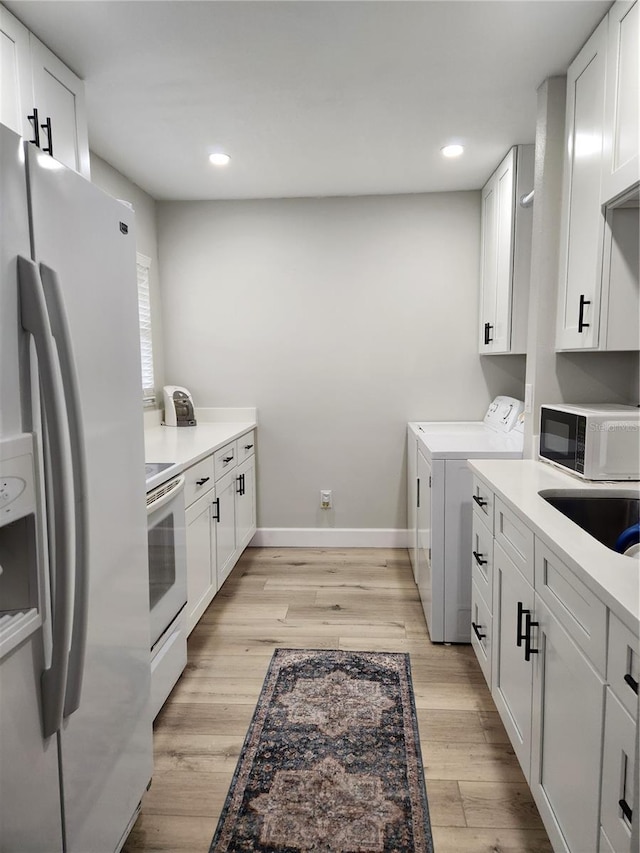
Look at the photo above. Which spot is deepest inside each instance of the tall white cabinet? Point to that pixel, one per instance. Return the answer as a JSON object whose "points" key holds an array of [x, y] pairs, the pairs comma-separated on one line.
{"points": [[506, 254], [599, 288], [40, 98]]}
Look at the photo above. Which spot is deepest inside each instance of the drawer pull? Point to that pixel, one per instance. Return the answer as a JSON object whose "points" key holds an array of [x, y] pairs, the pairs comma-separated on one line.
{"points": [[248, 446], [476, 629], [480, 501], [227, 459], [202, 481], [626, 811], [478, 558], [633, 684]]}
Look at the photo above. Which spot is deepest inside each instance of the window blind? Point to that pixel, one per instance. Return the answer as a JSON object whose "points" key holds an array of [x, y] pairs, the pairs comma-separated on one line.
{"points": [[146, 344]]}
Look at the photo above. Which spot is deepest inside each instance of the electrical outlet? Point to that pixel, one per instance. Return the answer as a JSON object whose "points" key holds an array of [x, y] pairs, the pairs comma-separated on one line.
{"points": [[325, 498], [528, 398]]}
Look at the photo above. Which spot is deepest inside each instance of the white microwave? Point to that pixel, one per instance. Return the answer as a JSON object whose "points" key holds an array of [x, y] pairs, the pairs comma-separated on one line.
{"points": [[596, 442]]}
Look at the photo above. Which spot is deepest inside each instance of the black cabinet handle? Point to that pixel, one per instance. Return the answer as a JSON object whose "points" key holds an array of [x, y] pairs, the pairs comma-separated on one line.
{"points": [[480, 501], [227, 459], [633, 684], [216, 503], [479, 559], [581, 324], [242, 492], [202, 481], [248, 446], [33, 118], [519, 633], [626, 811], [476, 629], [418, 492], [47, 126], [239, 480], [529, 624], [487, 333]]}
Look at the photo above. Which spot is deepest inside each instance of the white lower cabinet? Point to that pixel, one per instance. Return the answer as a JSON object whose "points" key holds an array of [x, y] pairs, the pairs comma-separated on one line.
{"points": [[220, 520], [226, 526], [201, 557], [564, 677], [568, 709], [512, 676], [245, 502], [618, 775]]}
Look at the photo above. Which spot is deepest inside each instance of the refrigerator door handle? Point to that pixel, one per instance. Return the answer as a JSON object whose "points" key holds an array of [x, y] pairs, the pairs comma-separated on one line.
{"points": [[60, 330], [35, 320]]}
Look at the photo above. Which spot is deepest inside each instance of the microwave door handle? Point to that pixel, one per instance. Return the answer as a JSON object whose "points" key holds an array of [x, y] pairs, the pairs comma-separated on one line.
{"points": [[35, 320], [70, 384]]}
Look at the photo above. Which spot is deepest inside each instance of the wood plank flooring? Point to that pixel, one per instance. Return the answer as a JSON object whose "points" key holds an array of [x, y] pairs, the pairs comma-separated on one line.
{"points": [[358, 599]]}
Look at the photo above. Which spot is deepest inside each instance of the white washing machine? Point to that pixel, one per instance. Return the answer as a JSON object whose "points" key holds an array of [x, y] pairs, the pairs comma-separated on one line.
{"points": [[440, 508]]}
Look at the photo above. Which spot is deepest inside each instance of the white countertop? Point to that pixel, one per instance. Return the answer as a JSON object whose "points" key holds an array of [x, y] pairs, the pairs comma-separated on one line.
{"points": [[184, 446], [614, 578]]}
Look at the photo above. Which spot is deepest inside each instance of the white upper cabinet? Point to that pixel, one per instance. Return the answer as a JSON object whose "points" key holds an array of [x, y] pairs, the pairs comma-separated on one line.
{"points": [[621, 161], [599, 291], [506, 254], [582, 221], [40, 98]]}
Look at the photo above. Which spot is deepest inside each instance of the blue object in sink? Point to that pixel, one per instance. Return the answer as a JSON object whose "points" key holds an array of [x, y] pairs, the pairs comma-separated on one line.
{"points": [[628, 537]]}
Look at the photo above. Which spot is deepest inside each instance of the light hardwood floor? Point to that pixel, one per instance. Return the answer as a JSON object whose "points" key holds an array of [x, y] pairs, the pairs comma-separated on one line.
{"points": [[358, 599]]}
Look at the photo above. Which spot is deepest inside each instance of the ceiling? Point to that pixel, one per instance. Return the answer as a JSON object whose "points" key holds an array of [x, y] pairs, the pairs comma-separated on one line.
{"points": [[331, 97]]}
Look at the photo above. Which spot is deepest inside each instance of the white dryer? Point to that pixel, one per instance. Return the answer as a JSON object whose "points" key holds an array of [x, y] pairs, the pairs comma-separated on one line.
{"points": [[440, 508]]}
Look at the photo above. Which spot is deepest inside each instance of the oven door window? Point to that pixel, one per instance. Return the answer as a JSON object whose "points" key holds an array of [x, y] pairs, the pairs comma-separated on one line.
{"points": [[162, 559]]}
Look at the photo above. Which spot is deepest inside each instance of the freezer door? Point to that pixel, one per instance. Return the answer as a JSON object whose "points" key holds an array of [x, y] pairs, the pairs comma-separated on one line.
{"points": [[30, 818], [88, 239]]}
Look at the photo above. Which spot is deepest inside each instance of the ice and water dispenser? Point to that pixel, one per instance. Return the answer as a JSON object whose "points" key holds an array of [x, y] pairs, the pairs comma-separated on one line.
{"points": [[20, 605]]}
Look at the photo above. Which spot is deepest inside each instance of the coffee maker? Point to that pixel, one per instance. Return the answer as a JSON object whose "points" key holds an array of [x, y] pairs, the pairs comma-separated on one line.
{"points": [[178, 407]]}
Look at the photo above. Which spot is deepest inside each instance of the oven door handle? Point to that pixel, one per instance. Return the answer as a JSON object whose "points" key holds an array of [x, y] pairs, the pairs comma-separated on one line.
{"points": [[164, 494]]}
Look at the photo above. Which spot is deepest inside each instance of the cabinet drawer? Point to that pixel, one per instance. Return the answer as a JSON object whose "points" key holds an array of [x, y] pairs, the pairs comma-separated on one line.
{"points": [[581, 613], [246, 446], [482, 559], [224, 459], [483, 501], [623, 664], [198, 480], [515, 537], [481, 630], [617, 774]]}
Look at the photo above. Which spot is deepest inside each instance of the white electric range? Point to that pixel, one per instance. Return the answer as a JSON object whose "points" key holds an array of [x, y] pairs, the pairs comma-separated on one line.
{"points": [[441, 546]]}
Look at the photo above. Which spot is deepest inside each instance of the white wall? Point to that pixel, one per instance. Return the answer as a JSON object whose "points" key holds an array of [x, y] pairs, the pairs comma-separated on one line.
{"points": [[117, 185], [341, 320]]}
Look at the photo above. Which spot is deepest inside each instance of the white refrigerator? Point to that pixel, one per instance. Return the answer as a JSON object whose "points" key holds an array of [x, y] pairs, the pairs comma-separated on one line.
{"points": [[75, 724]]}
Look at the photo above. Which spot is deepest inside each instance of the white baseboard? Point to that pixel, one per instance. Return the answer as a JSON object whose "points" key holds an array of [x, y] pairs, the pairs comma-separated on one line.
{"points": [[329, 537]]}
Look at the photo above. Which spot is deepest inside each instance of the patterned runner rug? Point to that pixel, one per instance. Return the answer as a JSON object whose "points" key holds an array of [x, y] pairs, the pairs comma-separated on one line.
{"points": [[331, 762]]}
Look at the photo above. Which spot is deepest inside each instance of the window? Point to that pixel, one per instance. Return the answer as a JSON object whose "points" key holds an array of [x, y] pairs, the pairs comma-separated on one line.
{"points": [[146, 345]]}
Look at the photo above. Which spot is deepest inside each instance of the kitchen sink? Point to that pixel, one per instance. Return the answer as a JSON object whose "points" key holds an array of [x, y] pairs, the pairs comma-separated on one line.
{"points": [[604, 517]]}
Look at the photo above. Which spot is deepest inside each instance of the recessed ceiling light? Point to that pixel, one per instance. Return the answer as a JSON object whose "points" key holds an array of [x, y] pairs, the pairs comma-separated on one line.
{"points": [[452, 150], [219, 159]]}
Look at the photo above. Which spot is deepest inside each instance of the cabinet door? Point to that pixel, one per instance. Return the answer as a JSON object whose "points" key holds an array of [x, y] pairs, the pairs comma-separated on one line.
{"points": [[425, 579], [497, 257], [582, 222], [481, 631], [568, 703], [16, 90], [618, 774], [245, 503], [59, 96], [512, 677], [225, 526], [201, 576], [489, 266], [621, 162], [412, 499]]}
